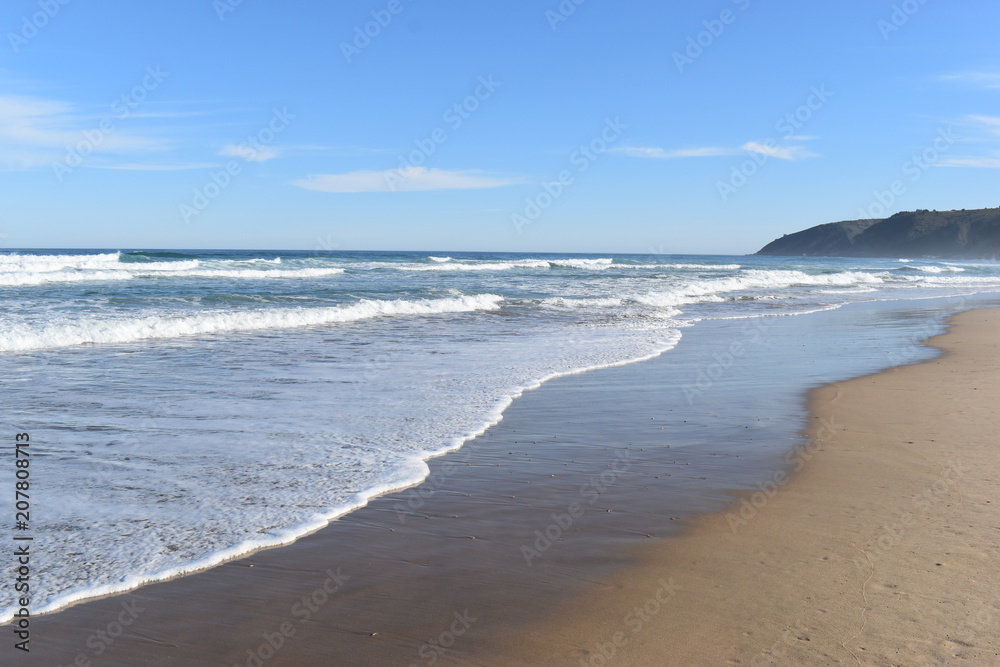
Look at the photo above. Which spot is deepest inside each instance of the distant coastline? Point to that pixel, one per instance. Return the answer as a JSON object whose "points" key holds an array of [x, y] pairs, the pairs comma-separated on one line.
{"points": [[962, 234]]}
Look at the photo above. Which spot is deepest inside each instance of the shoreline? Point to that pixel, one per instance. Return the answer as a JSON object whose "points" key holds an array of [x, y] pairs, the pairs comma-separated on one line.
{"points": [[879, 549], [239, 551], [431, 550]]}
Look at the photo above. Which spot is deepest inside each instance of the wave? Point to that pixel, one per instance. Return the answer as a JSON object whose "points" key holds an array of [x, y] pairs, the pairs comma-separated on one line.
{"points": [[934, 269], [22, 338], [34, 263], [15, 279], [144, 255], [449, 264], [18, 279], [601, 263], [413, 470], [461, 266], [696, 267], [252, 274], [711, 290], [596, 264]]}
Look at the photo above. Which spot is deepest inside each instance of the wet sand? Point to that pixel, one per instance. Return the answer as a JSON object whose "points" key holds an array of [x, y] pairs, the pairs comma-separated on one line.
{"points": [[512, 553], [881, 550]]}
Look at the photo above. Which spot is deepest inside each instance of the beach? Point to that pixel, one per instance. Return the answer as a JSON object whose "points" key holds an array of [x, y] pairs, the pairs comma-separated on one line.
{"points": [[869, 542], [390, 343], [878, 551]]}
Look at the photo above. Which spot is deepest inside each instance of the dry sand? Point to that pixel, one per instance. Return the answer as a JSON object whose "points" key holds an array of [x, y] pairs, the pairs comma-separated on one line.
{"points": [[884, 549]]}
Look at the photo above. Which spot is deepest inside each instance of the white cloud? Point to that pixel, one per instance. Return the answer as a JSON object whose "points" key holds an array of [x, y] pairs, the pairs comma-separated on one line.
{"points": [[249, 153], [978, 130], [767, 147], [410, 179], [156, 167], [974, 162], [987, 80], [771, 149], [989, 123], [662, 154], [35, 132]]}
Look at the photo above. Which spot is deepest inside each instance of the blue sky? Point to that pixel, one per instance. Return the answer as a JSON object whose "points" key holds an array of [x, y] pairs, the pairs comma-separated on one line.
{"points": [[514, 125]]}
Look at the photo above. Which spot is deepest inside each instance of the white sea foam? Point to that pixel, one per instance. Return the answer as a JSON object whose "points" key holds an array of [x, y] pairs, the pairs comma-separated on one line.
{"points": [[28, 270], [249, 274], [463, 266], [683, 267], [937, 269], [144, 557], [592, 264], [21, 337], [448, 264], [17, 279], [44, 263]]}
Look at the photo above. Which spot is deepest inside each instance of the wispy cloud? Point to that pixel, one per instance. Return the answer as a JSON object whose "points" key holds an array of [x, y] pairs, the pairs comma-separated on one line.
{"points": [[156, 167], [990, 123], [978, 130], [974, 162], [771, 149], [768, 147], [663, 154], [985, 80], [36, 131], [250, 153], [411, 179]]}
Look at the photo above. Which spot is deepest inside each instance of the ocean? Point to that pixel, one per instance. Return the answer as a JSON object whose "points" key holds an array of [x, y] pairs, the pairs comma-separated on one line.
{"points": [[186, 407]]}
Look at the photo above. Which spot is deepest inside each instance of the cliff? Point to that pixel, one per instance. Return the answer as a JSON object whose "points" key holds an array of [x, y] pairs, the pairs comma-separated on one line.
{"points": [[972, 234]]}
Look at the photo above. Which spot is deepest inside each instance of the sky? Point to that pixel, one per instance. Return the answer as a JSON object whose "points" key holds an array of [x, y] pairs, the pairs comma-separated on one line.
{"points": [[636, 126]]}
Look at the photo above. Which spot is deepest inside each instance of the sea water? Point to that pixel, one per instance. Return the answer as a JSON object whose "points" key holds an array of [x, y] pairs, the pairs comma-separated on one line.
{"points": [[186, 407]]}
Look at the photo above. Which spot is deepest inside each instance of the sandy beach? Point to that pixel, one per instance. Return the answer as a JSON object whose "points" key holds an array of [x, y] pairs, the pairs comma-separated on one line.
{"points": [[880, 550], [873, 543]]}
